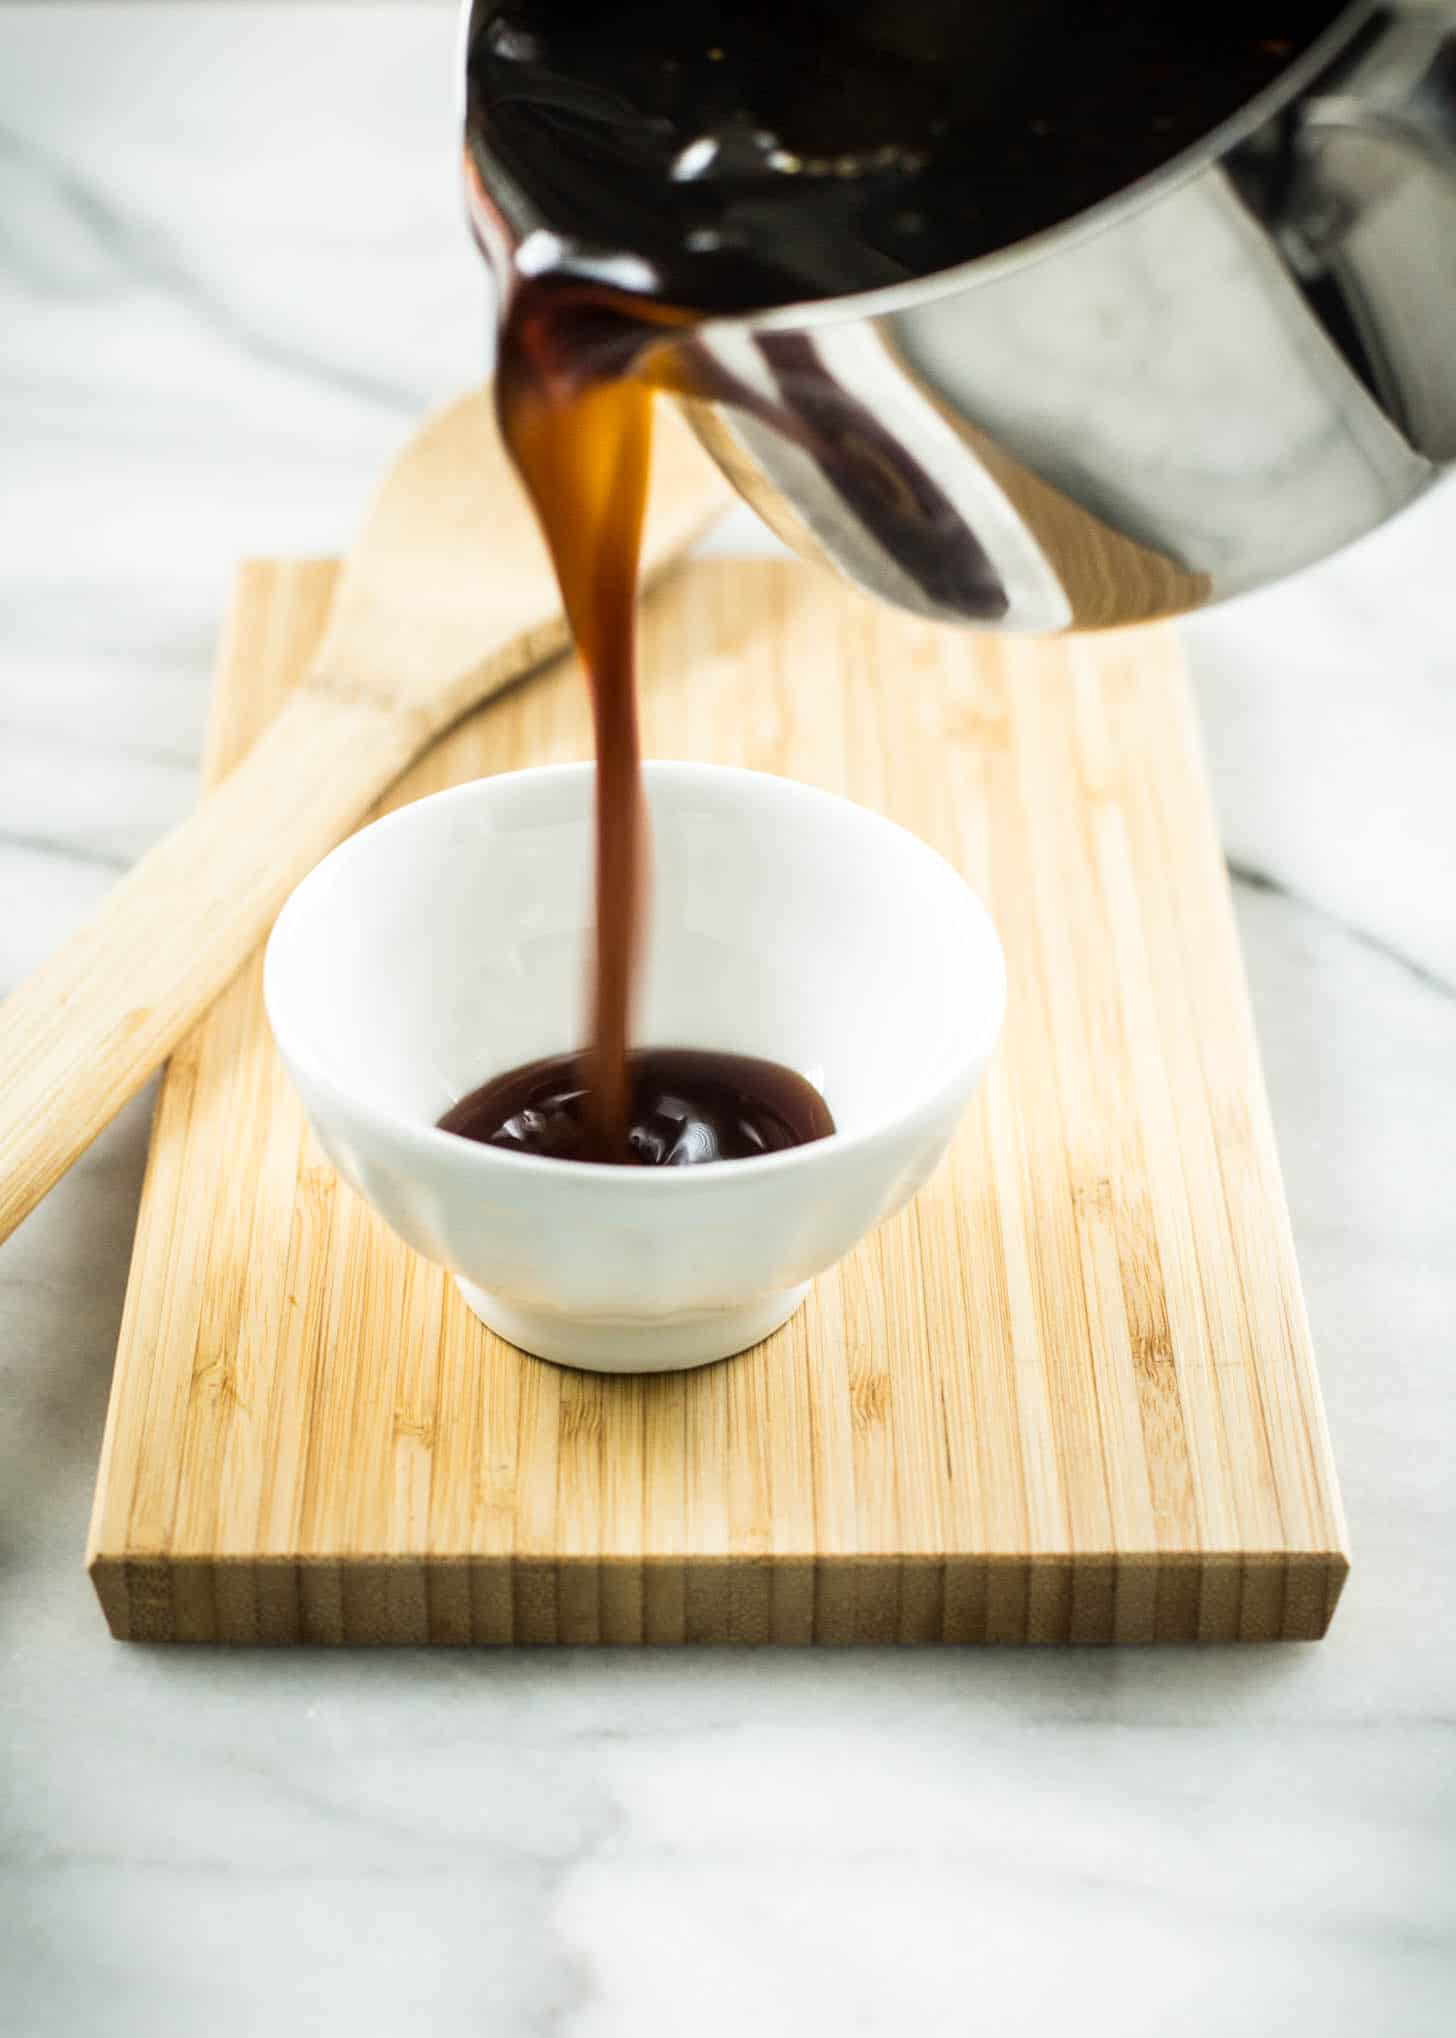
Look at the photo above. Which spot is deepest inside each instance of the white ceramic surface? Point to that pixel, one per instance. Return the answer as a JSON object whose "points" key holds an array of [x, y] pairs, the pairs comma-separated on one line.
{"points": [[450, 942], [232, 273]]}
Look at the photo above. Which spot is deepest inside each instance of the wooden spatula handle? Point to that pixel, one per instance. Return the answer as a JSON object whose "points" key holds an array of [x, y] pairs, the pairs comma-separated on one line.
{"points": [[82, 1035], [446, 597]]}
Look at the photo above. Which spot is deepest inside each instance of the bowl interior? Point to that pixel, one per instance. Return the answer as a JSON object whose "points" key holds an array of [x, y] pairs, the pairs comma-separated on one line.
{"points": [[451, 941]]}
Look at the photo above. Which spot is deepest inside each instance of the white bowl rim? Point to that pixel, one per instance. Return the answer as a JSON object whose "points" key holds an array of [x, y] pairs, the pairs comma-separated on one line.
{"points": [[431, 1140]]}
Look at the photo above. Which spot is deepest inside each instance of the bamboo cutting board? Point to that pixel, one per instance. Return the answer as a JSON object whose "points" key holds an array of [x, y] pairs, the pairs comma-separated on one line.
{"points": [[1067, 1395]]}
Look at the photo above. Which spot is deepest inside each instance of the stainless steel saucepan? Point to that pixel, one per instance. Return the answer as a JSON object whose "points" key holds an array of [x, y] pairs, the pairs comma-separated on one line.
{"points": [[1225, 373]]}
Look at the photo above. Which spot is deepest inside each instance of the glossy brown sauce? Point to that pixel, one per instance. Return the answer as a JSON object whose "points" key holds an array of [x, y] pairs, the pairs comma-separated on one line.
{"points": [[729, 155], [683, 1107], [582, 444]]}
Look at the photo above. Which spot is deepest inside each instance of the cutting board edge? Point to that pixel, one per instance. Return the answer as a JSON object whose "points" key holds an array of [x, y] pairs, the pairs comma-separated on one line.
{"points": [[348, 1599]]}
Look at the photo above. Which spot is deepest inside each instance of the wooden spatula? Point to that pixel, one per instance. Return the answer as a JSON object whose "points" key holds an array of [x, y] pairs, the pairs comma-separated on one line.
{"points": [[445, 598]]}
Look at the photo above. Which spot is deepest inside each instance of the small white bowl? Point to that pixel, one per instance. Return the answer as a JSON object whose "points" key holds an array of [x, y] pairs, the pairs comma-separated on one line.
{"points": [[448, 943]]}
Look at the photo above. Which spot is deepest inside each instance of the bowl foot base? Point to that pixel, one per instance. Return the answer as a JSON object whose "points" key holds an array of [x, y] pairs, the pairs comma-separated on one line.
{"points": [[666, 1344]]}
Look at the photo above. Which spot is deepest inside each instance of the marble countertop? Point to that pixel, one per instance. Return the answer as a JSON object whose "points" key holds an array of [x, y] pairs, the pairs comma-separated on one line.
{"points": [[232, 273]]}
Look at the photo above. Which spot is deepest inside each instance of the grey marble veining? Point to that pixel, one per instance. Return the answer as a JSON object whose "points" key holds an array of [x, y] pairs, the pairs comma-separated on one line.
{"points": [[231, 274]]}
